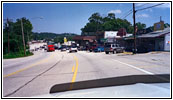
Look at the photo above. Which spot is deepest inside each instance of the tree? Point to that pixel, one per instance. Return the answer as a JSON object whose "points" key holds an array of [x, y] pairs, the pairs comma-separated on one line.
{"points": [[111, 16], [140, 25], [16, 44], [109, 23]]}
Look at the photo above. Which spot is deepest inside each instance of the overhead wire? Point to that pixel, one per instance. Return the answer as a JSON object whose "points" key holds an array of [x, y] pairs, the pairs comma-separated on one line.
{"points": [[141, 5], [149, 7], [130, 11]]}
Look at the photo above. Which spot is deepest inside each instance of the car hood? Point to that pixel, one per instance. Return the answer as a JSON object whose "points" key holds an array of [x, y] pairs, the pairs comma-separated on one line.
{"points": [[134, 90]]}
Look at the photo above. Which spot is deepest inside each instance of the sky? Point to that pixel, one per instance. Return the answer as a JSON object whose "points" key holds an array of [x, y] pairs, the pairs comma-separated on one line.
{"points": [[71, 17]]}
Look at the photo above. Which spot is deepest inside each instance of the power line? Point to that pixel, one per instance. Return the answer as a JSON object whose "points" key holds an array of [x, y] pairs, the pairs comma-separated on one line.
{"points": [[126, 12], [149, 7], [127, 15], [142, 5]]}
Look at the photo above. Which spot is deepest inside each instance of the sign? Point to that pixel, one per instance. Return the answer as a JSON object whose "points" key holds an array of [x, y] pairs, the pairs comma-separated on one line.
{"points": [[103, 40], [110, 34], [159, 26], [65, 39]]}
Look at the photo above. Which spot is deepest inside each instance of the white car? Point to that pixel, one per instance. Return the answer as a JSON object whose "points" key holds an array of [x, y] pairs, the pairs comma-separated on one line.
{"points": [[73, 48]]}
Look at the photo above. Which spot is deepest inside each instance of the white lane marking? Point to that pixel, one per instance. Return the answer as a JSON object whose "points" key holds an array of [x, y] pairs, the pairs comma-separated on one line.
{"points": [[135, 67]]}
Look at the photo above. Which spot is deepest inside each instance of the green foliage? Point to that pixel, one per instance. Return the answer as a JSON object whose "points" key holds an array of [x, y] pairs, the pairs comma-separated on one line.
{"points": [[166, 25], [16, 55], [108, 23], [15, 36], [140, 26]]}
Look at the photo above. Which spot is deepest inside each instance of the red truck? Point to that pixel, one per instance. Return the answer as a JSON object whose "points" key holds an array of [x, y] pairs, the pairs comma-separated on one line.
{"points": [[50, 48]]}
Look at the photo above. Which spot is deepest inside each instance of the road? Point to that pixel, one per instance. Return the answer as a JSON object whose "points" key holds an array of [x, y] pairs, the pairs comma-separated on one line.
{"points": [[35, 75]]}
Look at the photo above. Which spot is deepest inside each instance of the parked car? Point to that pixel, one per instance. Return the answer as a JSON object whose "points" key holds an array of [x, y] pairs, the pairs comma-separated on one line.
{"points": [[73, 49], [91, 48], [99, 49], [63, 48], [114, 48], [56, 46]]}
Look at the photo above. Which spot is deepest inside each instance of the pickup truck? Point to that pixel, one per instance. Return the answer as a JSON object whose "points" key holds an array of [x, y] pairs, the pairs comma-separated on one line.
{"points": [[114, 48]]}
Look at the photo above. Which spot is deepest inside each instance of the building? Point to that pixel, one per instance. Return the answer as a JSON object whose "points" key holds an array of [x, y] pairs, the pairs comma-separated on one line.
{"points": [[84, 40], [153, 41]]}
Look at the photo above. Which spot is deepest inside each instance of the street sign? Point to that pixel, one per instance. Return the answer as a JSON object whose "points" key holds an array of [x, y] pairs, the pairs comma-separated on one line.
{"points": [[65, 39]]}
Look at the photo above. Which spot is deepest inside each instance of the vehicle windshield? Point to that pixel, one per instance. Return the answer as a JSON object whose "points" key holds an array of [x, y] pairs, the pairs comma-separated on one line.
{"points": [[73, 46], [99, 49], [107, 45]]}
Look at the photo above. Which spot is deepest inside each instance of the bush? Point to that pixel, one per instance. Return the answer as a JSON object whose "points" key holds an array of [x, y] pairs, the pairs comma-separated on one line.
{"points": [[16, 55]]}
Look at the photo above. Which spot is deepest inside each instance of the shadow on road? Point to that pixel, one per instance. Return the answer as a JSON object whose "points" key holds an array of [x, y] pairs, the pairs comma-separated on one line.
{"points": [[115, 81]]}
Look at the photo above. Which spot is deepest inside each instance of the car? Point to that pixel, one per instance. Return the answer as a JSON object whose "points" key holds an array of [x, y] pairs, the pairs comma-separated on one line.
{"points": [[99, 49], [63, 49], [73, 49], [114, 48], [91, 48]]}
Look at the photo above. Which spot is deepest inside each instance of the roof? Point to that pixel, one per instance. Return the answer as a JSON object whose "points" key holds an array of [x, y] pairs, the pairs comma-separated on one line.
{"points": [[84, 38], [78, 37], [89, 37], [152, 34], [155, 33]]}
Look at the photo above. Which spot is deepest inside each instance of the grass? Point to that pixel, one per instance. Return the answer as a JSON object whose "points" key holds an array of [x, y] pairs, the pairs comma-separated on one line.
{"points": [[16, 55]]}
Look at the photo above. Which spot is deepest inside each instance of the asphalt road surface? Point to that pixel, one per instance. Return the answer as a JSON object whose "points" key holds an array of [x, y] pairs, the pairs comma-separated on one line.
{"points": [[35, 75]]}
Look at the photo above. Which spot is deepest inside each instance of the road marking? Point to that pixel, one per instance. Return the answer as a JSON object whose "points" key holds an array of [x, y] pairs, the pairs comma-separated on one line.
{"points": [[73, 68], [32, 65], [135, 67], [75, 73]]}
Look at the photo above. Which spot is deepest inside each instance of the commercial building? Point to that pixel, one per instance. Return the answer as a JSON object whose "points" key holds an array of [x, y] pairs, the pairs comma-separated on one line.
{"points": [[153, 41]]}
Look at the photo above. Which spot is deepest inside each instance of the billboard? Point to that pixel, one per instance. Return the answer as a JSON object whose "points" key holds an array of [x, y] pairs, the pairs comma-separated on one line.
{"points": [[110, 34], [159, 26]]}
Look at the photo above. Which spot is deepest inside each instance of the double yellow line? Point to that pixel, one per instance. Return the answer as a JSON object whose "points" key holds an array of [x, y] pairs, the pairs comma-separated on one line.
{"points": [[75, 69]]}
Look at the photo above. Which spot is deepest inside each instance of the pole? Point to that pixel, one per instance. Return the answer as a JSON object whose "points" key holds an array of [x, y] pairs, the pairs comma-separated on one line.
{"points": [[160, 18], [134, 23], [23, 38], [8, 36]]}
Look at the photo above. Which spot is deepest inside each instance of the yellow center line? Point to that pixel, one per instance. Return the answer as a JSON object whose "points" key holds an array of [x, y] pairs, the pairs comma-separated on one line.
{"points": [[32, 65], [73, 68], [75, 73]]}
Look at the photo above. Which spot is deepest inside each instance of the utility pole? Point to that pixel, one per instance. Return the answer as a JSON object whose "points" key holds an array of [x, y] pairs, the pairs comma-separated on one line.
{"points": [[160, 18], [8, 36], [134, 23], [23, 38], [28, 36]]}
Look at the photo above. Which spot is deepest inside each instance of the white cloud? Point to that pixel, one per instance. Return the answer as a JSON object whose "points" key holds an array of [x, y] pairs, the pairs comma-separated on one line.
{"points": [[115, 11], [143, 16]]}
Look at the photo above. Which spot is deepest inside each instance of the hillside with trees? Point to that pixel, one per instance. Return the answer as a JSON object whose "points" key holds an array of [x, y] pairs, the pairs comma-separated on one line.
{"points": [[56, 37]]}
